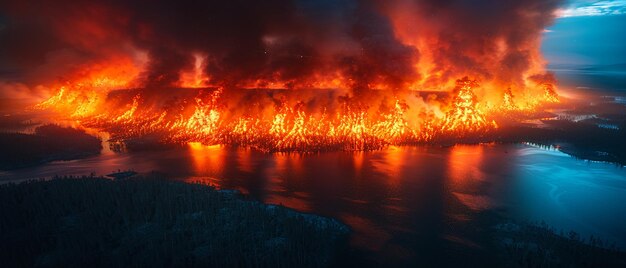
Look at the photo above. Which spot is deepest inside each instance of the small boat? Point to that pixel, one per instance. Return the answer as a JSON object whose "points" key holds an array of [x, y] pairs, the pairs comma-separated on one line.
{"points": [[122, 174]]}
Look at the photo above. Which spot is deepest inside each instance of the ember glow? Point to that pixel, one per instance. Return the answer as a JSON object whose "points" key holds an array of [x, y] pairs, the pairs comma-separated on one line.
{"points": [[291, 75]]}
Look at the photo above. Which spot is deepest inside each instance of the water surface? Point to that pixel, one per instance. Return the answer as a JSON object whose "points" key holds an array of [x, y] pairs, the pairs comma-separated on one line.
{"points": [[404, 204]]}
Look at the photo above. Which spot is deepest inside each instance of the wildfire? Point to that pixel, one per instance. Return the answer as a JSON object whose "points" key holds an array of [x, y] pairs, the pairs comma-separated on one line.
{"points": [[202, 125], [394, 127], [84, 96], [128, 71], [349, 127], [549, 93], [194, 78], [128, 115], [465, 115], [508, 102]]}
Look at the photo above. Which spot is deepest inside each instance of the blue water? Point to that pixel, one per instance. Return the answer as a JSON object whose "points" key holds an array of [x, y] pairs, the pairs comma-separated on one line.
{"points": [[571, 194]]}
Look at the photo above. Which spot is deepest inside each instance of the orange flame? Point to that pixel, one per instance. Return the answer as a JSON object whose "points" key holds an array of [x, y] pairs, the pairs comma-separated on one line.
{"points": [[466, 116], [352, 127]]}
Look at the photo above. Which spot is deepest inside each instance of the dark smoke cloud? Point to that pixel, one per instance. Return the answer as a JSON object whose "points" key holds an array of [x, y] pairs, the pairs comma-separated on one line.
{"points": [[481, 38], [277, 40], [44, 41], [382, 56]]}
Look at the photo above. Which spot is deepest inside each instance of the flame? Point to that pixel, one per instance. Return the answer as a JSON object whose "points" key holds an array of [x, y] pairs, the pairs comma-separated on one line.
{"points": [[202, 125], [128, 115], [351, 127], [382, 72], [394, 126], [508, 102], [195, 78], [549, 94], [83, 96], [466, 115]]}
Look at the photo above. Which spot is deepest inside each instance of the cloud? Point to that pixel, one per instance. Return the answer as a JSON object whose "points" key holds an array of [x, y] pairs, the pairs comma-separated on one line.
{"points": [[581, 8]]}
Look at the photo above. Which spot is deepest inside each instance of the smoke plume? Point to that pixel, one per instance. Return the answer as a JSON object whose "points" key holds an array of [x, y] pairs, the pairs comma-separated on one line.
{"points": [[369, 44]]}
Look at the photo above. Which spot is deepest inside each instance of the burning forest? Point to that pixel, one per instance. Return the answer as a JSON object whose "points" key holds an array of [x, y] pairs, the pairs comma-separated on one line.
{"points": [[283, 75], [312, 133]]}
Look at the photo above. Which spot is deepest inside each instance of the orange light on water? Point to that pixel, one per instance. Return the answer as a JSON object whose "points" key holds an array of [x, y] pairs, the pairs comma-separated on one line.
{"points": [[206, 158]]}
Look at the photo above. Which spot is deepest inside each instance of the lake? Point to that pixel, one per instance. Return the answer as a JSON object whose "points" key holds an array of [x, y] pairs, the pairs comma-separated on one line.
{"points": [[402, 203]]}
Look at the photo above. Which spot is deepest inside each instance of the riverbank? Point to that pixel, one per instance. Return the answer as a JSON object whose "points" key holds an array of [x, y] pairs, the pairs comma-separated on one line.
{"points": [[153, 222]]}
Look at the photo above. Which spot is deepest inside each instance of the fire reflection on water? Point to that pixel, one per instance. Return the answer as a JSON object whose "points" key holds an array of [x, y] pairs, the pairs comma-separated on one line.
{"points": [[465, 176], [357, 160], [206, 159], [401, 197], [464, 163], [287, 170]]}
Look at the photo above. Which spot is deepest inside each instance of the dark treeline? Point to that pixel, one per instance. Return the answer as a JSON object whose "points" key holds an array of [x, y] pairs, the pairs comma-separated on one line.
{"points": [[47, 143], [580, 139], [151, 222], [539, 245]]}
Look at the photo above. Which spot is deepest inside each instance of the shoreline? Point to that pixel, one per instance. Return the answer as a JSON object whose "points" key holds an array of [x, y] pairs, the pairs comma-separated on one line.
{"points": [[567, 149]]}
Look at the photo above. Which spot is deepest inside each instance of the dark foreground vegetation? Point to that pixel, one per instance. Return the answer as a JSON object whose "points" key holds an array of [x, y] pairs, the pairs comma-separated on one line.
{"points": [[47, 143], [151, 222], [538, 245]]}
